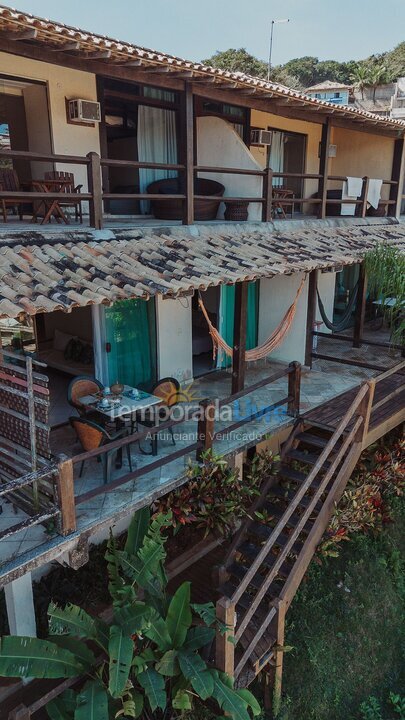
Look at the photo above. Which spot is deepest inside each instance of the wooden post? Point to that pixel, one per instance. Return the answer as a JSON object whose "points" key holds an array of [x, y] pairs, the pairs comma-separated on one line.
{"points": [[397, 175], [96, 190], [360, 308], [311, 314], [22, 712], [294, 389], [364, 410], [187, 137], [66, 495], [364, 194], [324, 166], [205, 426], [239, 337], [224, 647], [279, 657], [267, 195]]}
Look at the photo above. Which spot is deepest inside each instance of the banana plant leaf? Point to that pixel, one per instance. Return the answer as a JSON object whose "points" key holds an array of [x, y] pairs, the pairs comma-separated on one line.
{"points": [[154, 686], [179, 616], [92, 702], [120, 650], [32, 657]]}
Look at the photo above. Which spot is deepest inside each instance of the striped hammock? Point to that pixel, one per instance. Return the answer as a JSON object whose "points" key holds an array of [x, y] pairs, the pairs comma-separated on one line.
{"points": [[266, 348]]}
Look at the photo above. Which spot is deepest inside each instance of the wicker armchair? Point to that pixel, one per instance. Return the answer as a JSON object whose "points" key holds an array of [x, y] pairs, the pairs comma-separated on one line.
{"points": [[167, 389], [92, 436], [79, 387]]}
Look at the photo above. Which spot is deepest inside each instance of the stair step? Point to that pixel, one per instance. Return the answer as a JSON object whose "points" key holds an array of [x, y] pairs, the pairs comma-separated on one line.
{"points": [[303, 457], [238, 570], [314, 440], [287, 473]]}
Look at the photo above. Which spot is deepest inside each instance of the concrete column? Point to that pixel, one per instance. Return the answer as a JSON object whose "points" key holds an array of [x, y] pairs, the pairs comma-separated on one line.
{"points": [[20, 606]]}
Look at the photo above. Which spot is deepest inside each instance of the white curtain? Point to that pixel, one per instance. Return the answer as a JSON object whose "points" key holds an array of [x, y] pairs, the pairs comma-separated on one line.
{"points": [[156, 143], [276, 156]]}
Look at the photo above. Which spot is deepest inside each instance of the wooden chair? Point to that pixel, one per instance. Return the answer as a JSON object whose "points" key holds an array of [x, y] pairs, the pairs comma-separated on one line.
{"points": [[67, 187], [167, 389], [9, 182], [92, 436], [280, 208], [79, 387]]}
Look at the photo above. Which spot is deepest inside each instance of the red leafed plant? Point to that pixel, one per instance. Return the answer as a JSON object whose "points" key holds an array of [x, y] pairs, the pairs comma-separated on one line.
{"points": [[215, 497], [365, 504]]}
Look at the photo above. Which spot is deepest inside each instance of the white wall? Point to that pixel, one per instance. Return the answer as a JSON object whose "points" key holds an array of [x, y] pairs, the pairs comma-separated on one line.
{"points": [[67, 139], [276, 295], [326, 286], [218, 144], [174, 338]]}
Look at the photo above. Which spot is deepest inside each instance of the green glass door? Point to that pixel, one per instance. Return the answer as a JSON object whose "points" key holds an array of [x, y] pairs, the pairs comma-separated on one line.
{"points": [[226, 318], [130, 334]]}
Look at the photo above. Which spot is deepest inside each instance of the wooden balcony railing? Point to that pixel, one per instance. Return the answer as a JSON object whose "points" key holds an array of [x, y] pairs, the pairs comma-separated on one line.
{"points": [[268, 197], [205, 435]]}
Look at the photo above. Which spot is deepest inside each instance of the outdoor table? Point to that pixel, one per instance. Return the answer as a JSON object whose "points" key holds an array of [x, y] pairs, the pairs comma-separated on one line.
{"points": [[52, 206], [128, 405]]}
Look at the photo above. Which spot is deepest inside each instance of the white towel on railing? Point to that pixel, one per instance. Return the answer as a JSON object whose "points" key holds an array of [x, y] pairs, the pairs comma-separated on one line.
{"points": [[351, 190], [374, 192]]}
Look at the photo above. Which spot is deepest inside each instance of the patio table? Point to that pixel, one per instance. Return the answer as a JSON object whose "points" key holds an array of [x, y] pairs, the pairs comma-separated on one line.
{"points": [[52, 206], [128, 404]]}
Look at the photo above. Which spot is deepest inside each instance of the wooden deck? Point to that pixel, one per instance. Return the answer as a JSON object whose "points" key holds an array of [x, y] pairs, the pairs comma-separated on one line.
{"points": [[388, 410]]}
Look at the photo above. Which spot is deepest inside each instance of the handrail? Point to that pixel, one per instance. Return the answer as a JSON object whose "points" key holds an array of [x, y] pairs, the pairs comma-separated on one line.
{"points": [[292, 539], [391, 371], [298, 496]]}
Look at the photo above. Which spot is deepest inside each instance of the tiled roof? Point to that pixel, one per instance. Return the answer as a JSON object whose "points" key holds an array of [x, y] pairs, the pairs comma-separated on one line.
{"points": [[43, 272], [328, 85], [56, 35]]}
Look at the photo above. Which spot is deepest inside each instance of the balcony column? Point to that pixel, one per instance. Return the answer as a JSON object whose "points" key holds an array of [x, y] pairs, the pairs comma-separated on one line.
{"points": [[239, 337], [360, 311], [398, 176], [187, 153], [20, 606], [324, 166], [311, 315]]}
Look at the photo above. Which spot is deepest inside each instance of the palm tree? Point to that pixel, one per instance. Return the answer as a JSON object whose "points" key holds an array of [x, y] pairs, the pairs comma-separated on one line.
{"points": [[360, 77], [377, 77]]}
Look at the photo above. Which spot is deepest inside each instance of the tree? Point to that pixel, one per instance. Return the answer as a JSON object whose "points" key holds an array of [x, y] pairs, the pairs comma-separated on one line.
{"points": [[377, 77], [238, 61], [385, 268], [147, 662], [360, 78]]}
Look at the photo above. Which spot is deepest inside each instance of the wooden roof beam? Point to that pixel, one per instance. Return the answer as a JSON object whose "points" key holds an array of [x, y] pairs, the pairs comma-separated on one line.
{"points": [[28, 34], [72, 46], [98, 55]]}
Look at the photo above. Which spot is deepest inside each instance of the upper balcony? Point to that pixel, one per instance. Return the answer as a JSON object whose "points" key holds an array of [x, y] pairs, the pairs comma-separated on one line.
{"points": [[178, 123]]}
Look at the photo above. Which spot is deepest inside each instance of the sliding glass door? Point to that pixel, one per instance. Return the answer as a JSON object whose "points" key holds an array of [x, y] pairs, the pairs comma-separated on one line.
{"points": [[130, 343]]}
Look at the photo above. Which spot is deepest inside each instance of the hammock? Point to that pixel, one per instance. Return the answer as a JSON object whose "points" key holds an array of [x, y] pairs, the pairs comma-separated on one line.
{"points": [[346, 317], [268, 346]]}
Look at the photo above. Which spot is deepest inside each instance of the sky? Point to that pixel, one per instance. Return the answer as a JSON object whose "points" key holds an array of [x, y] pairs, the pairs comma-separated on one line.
{"points": [[328, 29]]}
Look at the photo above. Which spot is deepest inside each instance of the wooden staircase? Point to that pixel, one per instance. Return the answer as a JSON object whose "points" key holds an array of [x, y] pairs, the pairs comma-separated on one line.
{"points": [[273, 548]]}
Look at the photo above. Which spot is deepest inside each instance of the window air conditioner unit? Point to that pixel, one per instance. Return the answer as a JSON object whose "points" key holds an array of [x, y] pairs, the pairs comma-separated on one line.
{"points": [[84, 111], [260, 137]]}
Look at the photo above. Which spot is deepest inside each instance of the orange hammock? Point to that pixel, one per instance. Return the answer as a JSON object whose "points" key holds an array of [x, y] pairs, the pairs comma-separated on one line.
{"points": [[272, 342]]}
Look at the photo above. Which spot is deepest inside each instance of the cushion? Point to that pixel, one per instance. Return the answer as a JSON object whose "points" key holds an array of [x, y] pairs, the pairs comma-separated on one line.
{"points": [[60, 340]]}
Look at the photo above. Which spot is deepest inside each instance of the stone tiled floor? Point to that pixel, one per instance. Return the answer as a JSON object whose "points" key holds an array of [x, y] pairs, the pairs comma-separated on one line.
{"points": [[326, 380]]}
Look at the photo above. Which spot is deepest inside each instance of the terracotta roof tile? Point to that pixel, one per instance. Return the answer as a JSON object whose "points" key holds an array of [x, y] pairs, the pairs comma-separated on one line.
{"points": [[53, 271]]}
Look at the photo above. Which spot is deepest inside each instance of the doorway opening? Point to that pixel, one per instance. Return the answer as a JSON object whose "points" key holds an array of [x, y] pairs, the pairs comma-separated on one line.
{"points": [[203, 359], [287, 154]]}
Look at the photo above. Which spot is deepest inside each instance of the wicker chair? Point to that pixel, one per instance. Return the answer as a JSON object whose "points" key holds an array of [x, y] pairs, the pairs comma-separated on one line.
{"points": [[168, 389], [92, 436], [70, 188], [79, 387], [9, 182]]}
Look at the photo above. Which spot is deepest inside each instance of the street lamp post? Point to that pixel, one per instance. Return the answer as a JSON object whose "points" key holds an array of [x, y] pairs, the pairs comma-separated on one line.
{"points": [[273, 23]]}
